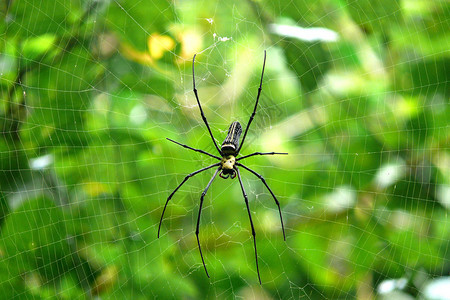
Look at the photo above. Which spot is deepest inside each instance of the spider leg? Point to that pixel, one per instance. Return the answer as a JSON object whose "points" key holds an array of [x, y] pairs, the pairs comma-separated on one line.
{"points": [[199, 106], [251, 222], [273, 195], [260, 153], [197, 150], [198, 218], [184, 180], [256, 105]]}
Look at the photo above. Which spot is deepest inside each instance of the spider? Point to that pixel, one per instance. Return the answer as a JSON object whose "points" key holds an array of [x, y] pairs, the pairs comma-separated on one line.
{"points": [[228, 165]]}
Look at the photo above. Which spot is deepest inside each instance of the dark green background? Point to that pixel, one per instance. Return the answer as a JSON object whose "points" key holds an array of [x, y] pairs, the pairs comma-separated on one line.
{"points": [[364, 191]]}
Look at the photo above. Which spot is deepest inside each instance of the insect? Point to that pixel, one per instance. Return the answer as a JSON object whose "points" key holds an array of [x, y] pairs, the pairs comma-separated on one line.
{"points": [[228, 165]]}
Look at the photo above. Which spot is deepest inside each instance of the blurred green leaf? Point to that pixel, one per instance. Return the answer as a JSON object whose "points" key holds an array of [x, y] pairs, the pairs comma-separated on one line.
{"points": [[34, 240], [60, 109], [33, 18], [134, 23], [375, 17], [34, 47]]}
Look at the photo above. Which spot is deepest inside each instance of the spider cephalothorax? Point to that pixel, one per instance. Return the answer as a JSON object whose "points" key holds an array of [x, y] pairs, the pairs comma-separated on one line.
{"points": [[228, 166]]}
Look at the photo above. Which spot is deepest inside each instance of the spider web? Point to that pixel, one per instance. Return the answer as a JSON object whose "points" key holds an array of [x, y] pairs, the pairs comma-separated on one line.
{"points": [[355, 91]]}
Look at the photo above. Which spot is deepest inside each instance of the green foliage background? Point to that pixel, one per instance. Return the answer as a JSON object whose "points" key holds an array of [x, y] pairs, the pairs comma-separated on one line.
{"points": [[364, 190]]}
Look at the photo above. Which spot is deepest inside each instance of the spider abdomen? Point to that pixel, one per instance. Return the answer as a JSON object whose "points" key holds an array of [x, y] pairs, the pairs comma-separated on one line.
{"points": [[231, 142]]}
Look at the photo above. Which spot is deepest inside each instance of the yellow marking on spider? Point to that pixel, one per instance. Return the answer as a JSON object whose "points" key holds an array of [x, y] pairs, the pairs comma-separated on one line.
{"points": [[228, 162]]}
